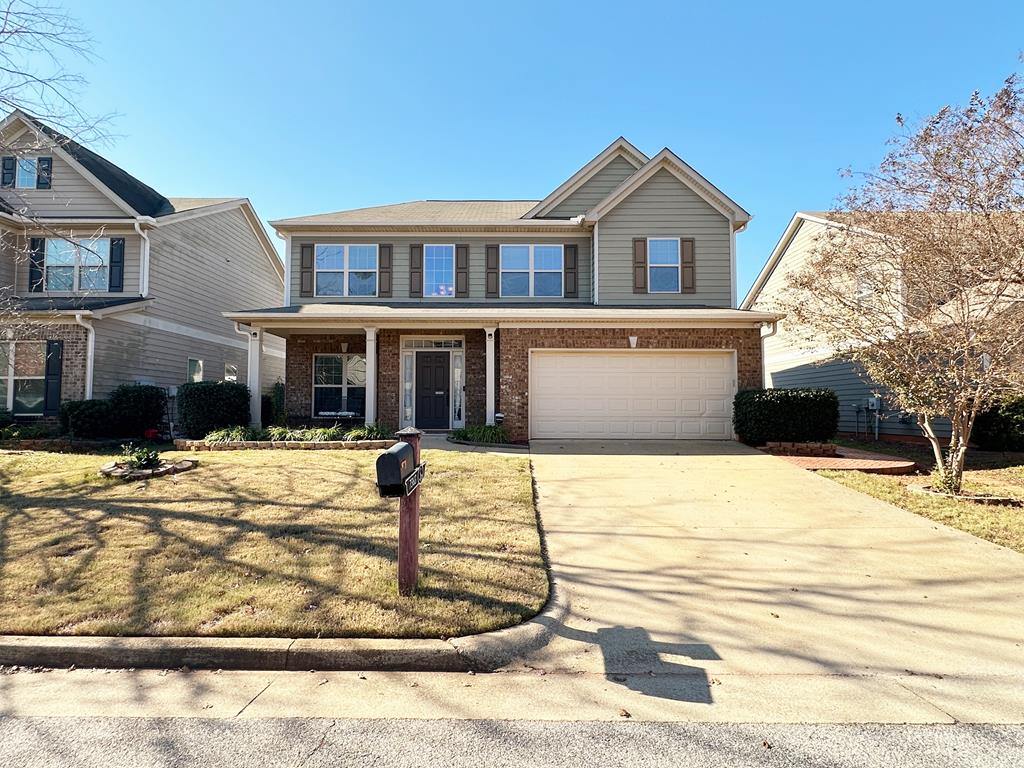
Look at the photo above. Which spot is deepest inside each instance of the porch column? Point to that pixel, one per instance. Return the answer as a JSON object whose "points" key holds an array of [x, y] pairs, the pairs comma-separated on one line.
{"points": [[489, 333], [252, 375], [371, 375]]}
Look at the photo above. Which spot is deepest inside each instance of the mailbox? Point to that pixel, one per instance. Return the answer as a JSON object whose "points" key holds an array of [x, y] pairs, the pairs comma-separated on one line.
{"points": [[397, 471]]}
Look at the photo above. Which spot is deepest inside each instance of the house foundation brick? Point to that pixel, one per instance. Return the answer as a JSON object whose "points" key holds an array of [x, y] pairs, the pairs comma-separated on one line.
{"points": [[514, 345]]}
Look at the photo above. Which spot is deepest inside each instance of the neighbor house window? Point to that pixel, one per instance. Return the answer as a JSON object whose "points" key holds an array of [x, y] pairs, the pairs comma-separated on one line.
{"points": [[28, 173], [346, 270], [339, 386], [663, 265], [195, 370], [230, 372], [531, 270], [77, 265], [438, 270], [23, 377]]}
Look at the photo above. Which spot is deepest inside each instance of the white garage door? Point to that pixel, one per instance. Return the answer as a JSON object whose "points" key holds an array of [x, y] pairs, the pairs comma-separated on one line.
{"points": [[632, 394]]}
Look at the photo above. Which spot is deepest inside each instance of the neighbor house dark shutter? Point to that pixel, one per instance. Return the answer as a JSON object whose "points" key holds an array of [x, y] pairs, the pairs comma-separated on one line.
{"points": [[493, 271], [461, 271], [116, 264], [54, 364], [688, 267], [306, 270], [416, 271], [639, 265], [36, 259], [384, 270], [44, 172], [571, 266], [7, 179]]}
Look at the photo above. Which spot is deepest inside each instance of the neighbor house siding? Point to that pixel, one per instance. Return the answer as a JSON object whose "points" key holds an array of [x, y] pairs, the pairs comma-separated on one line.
{"points": [[664, 206], [477, 265], [132, 259], [594, 190]]}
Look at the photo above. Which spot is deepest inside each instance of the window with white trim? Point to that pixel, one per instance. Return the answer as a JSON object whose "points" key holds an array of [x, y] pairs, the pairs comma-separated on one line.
{"points": [[195, 370], [438, 270], [532, 270], [663, 265], [339, 386], [27, 174], [77, 265], [230, 372], [345, 270], [23, 377]]}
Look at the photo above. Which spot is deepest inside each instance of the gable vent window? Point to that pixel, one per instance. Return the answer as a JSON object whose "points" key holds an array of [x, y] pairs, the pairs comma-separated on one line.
{"points": [[532, 270], [663, 264], [72, 265], [346, 270]]}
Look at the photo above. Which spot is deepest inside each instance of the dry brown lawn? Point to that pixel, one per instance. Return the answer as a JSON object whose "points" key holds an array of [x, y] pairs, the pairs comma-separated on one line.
{"points": [[264, 543]]}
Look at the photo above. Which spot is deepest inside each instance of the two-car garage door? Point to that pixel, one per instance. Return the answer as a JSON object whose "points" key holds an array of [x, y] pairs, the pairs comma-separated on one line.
{"points": [[631, 394]]}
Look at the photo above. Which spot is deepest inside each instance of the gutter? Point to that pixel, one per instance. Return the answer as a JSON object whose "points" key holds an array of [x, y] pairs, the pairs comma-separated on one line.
{"points": [[90, 353]]}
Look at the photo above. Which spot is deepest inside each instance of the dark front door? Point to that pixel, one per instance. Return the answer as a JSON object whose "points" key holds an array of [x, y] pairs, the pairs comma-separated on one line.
{"points": [[432, 390]]}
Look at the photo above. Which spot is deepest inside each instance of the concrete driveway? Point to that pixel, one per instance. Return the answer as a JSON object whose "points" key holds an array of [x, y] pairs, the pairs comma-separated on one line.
{"points": [[688, 562]]}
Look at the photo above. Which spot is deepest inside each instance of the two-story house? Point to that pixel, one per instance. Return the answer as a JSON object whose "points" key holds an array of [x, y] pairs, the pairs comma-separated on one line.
{"points": [[105, 281], [605, 310]]}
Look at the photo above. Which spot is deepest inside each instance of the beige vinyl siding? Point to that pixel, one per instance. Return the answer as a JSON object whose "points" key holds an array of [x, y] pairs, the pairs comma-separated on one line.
{"points": [[207, 265], [132, 261], [8, 259], [594, 190], [665, 207], [71, 195], [477, 265]]}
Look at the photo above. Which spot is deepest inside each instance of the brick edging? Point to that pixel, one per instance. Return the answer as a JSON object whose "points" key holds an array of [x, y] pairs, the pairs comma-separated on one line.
{"points": [[302, 445]]}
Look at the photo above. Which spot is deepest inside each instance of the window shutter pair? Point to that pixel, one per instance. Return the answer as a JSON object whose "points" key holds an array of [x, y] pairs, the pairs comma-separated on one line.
{"points": [[687, 265], [54, 366], [416, 271], [116, 284]]}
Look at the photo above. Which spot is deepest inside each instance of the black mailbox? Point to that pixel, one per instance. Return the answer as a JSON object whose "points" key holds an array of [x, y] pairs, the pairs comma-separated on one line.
{"points": [[397, 471]]}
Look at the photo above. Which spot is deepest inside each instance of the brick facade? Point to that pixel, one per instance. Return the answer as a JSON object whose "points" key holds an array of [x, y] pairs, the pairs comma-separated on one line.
{"points": [[298, 375], [76, 346], [514, 345]]}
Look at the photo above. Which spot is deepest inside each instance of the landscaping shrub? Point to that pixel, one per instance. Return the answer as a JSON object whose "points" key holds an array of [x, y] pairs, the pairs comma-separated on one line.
{"points": [[789, 415], [1001, 428], [370, 432], [87, 418], [272, 405], [490, 433], [204, 406], [6, 418], [25, 431], [139, 456], [235, 434], [137, 408]]}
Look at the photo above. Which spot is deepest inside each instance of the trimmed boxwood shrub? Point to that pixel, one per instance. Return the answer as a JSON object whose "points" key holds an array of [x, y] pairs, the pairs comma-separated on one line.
{"points": [[87, 418], [790, 415], [205, 406], [1001, 428], [137, 407]]}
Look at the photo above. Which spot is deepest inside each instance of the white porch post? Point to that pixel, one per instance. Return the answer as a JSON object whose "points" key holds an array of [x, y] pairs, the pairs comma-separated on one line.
{"points": [[489, 332], [371, 375], [252, 370]]}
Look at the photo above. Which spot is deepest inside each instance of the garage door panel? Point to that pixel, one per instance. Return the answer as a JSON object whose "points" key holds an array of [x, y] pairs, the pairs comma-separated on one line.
{"points": [[632, 395]]}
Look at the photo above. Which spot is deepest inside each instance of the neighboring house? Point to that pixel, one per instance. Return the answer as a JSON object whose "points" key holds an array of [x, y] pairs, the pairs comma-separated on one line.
{"points": [[105, 281], [605, 310], [863, 405]]}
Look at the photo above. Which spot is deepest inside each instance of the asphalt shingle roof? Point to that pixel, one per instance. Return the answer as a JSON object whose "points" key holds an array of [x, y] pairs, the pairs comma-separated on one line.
{"points": [[423, 212]]}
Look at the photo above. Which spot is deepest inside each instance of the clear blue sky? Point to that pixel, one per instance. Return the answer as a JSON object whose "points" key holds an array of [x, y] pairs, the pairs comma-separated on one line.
{"points": [[320, 106]]}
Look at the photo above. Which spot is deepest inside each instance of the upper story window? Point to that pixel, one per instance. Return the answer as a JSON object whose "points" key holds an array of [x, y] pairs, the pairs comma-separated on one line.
{"points": [[345, 270], [72, 265], [23, 377], [438, 270], [531, 270], [27, 172], [663, 265]]}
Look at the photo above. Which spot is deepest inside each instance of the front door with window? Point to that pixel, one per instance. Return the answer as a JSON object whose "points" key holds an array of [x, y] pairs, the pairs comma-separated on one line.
{"points": [[433, 390]]}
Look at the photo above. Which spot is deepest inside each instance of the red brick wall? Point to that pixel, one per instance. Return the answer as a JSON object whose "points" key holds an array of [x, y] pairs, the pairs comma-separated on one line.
{"points": [[76, 346], [515, 343], [298, 374]]}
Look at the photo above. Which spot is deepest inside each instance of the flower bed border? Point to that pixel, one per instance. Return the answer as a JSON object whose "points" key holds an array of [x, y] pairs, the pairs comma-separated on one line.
{"points": [[299, 445], [119, 471]]}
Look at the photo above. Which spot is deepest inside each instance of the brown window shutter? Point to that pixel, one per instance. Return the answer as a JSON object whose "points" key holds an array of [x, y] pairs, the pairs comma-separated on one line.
{"points": [[416, 271], [384, 251], [461, 271], [493, 271], [639, 265], [306, 270], [688, 270], [571, 267]]}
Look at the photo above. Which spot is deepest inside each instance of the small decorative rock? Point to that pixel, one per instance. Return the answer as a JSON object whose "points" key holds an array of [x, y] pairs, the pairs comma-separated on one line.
{"points": [[113, 469]]}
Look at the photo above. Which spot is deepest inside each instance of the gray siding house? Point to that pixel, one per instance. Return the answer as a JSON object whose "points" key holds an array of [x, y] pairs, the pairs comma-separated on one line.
{"points": [[105, 281], [606, 309]]}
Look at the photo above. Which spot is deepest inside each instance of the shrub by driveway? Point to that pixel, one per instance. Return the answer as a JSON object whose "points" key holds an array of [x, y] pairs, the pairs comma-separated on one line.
{"points": [[269, 543]]}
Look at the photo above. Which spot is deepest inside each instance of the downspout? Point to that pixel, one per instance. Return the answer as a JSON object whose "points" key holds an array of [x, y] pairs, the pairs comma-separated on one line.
{"points": [[90, 352], [764, 369], [144, 266], [597, 249]]}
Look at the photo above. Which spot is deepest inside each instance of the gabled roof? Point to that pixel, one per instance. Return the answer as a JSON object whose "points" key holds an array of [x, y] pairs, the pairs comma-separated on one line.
{"points": [[420, 212], [818, 217], [618, 148], [671, 162]]}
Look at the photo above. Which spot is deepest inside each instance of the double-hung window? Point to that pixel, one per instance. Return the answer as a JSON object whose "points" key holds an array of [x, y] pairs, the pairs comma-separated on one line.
{"points": [[532, 270], [663, 265], [339, 386], [28, 173], [346, 270], [73, 265], [438, 270], [23, 377]]}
